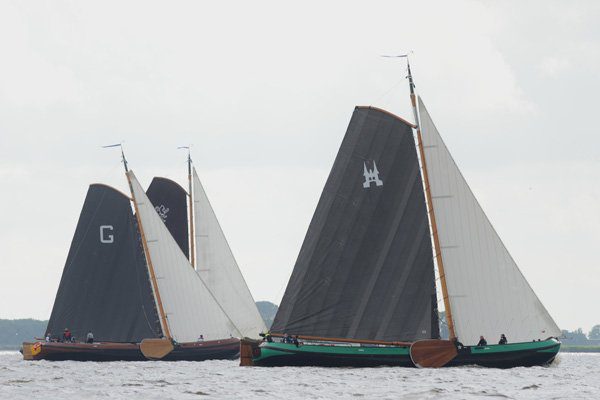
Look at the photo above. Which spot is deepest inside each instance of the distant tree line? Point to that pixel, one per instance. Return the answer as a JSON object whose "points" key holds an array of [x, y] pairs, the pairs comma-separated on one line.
{"points": [[13, 332], [579, 338], [267, 311], [575, 338]]}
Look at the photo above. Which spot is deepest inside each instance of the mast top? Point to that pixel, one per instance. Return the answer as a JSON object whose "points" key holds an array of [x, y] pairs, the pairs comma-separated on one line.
{"points": [[123, 159], [189, 147], [411, 84]]}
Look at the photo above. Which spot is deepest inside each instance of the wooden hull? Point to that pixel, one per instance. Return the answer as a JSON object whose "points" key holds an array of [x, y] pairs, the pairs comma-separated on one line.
{"points": [[226, 349], [322, 355]]}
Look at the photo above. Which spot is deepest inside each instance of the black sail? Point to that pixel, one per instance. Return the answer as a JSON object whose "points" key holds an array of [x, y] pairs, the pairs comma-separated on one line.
{"points": [[105, 286], [365, 269], [170, 202]]}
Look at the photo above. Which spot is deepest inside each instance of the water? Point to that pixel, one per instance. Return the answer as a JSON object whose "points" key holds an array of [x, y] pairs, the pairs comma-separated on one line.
{"points": [[574, 376]]}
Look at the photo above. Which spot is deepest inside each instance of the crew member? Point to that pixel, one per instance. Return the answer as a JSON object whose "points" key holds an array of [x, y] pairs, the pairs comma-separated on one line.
{"points": [[482, 341], [268, 337], [89, 337], [67, 337], [502, 339]]}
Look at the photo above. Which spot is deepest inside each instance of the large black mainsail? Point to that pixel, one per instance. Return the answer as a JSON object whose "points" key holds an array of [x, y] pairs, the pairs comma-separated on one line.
{"points": [[365, 269], [170, 202], [105, 286]]}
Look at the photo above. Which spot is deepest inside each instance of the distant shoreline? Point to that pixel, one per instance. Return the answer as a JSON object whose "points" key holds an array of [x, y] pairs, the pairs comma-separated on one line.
{"points": [[579, 349]]}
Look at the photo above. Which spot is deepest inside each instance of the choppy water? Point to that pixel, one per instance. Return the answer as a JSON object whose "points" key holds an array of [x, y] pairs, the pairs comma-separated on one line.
{"points": [[574, 376]]}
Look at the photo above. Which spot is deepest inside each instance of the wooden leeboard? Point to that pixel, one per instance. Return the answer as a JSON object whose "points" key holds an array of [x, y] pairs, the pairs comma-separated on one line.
{"points": [[432, 353], [155, 349], [247, 347]]}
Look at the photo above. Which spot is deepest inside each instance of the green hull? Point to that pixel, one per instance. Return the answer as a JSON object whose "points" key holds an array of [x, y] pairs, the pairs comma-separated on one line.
{"points": [[344, 355]]}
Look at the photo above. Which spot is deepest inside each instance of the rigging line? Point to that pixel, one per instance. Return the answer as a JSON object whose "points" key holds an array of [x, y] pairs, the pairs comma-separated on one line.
{"points": [[140, 255], [394, 86], [136, 247], [220, 306], [281, 289]]}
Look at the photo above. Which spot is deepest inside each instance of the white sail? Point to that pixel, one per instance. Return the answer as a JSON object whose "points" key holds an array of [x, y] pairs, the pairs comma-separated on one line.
{"points": [[488, 293], [190, 308], [218, 269]]}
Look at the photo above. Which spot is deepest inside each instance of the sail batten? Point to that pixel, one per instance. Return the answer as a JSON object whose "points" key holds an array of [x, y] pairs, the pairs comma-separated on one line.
{"points": [[365, 269], [190, 308], [487, 292], [217, 267]]}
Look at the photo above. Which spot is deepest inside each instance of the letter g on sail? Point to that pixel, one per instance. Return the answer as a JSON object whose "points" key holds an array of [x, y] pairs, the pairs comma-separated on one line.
{"points": [[106, 237]]}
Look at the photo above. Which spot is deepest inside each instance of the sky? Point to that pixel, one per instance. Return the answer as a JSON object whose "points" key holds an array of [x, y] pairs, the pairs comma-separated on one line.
{"points": [[264, 91]]}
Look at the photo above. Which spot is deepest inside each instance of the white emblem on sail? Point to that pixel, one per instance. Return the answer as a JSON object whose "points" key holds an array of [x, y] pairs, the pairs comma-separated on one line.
{"points": [[371, 176], [162, 212]]}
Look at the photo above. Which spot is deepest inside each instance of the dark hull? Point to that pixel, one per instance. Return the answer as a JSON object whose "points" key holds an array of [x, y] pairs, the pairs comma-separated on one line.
{"points": [[320, 360], [279, 355], [494, 356], [226, 349], [512, 359]]}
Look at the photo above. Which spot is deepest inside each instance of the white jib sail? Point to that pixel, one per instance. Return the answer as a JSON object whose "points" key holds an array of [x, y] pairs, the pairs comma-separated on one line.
{"points": [[190, 308], [218, 269], [488, 293]]}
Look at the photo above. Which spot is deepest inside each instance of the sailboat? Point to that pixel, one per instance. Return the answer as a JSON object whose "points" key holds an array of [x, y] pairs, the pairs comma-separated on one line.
{"points": [[128, 280], [208, 251], [363, 292]]}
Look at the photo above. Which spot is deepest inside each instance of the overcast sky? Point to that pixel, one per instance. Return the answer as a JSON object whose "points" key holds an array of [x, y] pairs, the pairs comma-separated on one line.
{"points": [[264, 91]]}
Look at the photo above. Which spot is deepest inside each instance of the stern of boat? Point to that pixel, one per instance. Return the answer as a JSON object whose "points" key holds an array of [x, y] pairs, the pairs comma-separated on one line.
{"points": [[31, 351], [524, 354]]}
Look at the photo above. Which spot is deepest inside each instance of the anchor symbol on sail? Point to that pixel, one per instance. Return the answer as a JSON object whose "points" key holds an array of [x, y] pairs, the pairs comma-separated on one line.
{"points": [[371, 176], [162, 212]]}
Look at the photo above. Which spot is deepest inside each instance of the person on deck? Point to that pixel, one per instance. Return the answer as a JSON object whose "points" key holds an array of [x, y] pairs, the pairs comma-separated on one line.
{"points": [[201, 338], [295, 341], [503, 339], [67, 335], [89, 337], [48, 337], [482, 341]]}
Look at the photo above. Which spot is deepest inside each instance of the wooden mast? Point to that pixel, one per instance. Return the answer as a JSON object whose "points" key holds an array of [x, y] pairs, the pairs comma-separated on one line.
{"points": [[191, 220], [161, 311], [192, 255], [431, 212]]}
